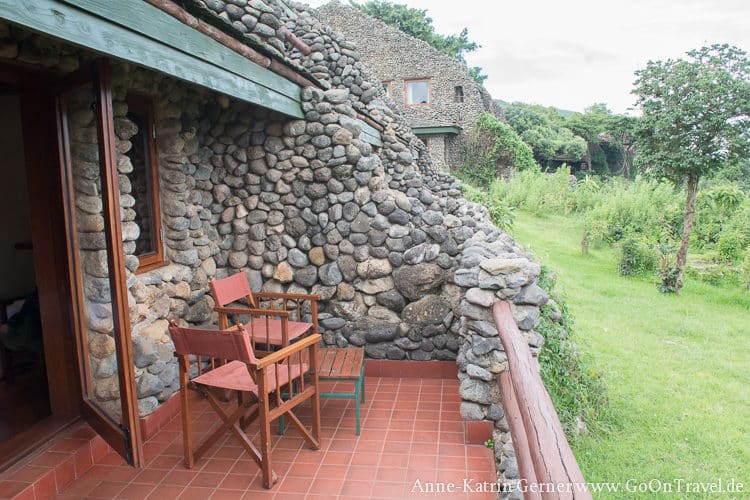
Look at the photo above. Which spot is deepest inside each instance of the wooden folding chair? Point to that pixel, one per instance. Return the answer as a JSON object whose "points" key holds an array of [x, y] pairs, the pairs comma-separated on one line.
{"points": [[278, 322], [261, 386]]}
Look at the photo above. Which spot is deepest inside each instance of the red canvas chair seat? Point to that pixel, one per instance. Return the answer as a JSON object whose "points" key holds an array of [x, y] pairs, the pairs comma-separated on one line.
{"points": [[234, 376], [269, 331], [261, 386]]}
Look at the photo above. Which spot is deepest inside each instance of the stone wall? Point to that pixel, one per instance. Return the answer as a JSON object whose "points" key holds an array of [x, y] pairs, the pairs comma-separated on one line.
{"points": [[405, 266], [394, 56]]}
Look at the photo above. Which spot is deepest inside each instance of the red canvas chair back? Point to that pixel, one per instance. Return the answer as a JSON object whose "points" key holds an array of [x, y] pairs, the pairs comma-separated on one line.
{"points": [[231, 344], [231, 289]]}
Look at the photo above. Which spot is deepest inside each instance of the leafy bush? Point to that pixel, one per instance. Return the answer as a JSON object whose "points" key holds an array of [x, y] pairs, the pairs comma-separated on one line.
{"points": [[746, 269], [731, 246], [636, 258], [576, 389], [493, 147], [648, 209], [716, 209], [502, 214], [668, 270]]}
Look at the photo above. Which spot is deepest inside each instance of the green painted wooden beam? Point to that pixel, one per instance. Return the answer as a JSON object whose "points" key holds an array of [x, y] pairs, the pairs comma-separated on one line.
{"points": [[55, 18], [370, 133], [450, 129], [149, 21]]}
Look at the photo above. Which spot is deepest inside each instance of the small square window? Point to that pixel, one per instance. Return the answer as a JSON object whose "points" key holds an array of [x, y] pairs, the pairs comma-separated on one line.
{"points": [[418, 92], [387, 87]]}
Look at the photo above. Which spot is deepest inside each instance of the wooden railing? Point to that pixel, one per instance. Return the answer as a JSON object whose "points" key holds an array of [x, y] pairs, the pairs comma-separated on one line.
{"points": [[545, 461]]}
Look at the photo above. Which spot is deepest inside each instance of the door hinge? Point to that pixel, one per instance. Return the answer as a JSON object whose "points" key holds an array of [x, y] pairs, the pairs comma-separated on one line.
{"points": [[128, 445]]}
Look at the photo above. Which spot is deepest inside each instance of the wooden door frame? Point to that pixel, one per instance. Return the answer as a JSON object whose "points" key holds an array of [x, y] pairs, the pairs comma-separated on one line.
{"points": [[125, 438], [44, 183]]}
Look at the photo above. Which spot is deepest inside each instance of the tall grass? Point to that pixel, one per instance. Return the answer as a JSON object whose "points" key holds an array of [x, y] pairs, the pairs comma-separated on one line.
{"points": [[612, 208]]}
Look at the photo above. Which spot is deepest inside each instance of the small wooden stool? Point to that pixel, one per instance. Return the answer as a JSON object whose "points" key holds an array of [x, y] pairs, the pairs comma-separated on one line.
{"points": [[341, 365]]}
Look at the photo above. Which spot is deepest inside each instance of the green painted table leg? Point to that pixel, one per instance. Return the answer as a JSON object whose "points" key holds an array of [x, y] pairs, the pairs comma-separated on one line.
{"points": [[362, 377], [357, 397]]}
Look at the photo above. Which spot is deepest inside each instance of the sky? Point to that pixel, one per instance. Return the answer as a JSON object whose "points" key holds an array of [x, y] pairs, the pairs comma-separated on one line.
{"points": [[574, 53]]}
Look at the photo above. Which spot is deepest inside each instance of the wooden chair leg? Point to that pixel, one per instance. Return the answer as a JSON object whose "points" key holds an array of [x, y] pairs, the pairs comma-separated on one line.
{"points": [[187, 430], [265, 439]]}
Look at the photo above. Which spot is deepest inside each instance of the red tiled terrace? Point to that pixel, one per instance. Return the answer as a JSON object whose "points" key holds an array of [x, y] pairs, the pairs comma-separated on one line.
{"points": [[411, 430]]}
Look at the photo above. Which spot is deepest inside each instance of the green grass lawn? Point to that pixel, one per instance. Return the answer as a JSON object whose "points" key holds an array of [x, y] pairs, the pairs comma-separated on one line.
{"points": [[677, 367]]}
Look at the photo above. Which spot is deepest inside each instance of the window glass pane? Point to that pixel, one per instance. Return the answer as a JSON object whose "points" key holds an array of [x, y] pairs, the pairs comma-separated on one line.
{"points": [[101, 386], [417, 92], [142, 188]]}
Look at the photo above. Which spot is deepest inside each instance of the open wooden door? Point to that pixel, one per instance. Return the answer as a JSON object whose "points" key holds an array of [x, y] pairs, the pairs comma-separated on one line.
{"points": [[101, 319]]}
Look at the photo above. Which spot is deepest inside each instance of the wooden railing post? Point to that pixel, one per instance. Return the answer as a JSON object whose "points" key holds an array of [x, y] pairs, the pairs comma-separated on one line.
{"points": [[552, 460]]}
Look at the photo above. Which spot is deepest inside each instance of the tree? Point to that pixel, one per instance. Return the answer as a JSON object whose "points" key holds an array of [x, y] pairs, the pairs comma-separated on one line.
{"points": [[541, 129], [696, 121], [416, 23]]}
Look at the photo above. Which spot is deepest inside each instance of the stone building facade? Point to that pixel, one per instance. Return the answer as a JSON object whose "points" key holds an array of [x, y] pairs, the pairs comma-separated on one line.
{"points": [[404, 265], [400, 61]]}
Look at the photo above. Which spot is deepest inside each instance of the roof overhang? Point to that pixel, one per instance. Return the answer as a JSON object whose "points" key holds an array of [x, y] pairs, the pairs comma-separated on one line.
{"points": [[142, 34], [447, 130]]}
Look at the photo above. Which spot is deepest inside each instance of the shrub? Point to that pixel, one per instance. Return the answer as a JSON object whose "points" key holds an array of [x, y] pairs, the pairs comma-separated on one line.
{"points": [[502, 214], [720, 207], [746, 269], [731, 246], [493, 147], [636, 258], [667, 270]]}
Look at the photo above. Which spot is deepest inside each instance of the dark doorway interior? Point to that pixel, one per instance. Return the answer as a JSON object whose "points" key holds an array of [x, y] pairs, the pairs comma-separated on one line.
{"points": [[24, 394]]}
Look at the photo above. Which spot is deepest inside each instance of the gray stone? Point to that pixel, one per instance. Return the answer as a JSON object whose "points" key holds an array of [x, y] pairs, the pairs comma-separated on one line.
{"points": [[532, 295], [478, 372], [482, 345], [374, 268], [306, 276], [336, 96], [297, 258], [333, 323], [149, 385], [497, 266], [477, 296], [429, 310], [415, 281], [392, 300], [471, 411], [376, 351], [374, 286], [380, 332], [475, 390], [144, 352], [527, 317], [330, 275]]}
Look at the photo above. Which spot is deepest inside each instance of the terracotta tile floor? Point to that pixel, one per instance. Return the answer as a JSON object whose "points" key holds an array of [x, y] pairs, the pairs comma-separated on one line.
{"points": [[411, 430]]}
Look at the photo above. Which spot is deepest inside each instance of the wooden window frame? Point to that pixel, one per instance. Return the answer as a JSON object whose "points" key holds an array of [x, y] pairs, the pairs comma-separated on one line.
{"points": [[406, 91], [153, 260], [458, 94], [388, 85]]}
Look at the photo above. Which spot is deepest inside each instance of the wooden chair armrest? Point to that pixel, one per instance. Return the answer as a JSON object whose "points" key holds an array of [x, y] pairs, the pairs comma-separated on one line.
{"points": [[287, 351], [253, 312], [289, 296]]}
